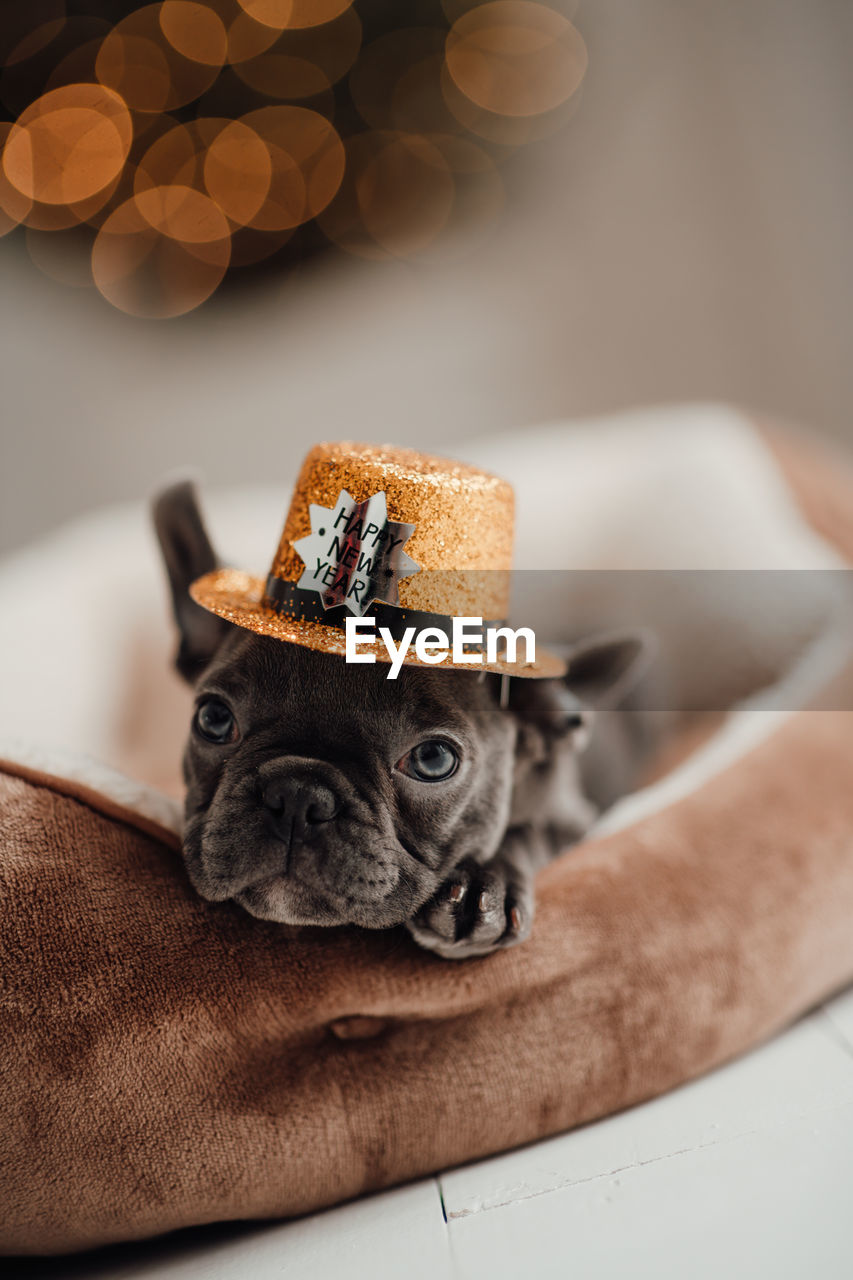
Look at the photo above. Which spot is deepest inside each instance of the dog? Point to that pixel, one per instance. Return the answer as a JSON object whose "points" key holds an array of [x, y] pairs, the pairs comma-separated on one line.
{"points": [[321, 793]]}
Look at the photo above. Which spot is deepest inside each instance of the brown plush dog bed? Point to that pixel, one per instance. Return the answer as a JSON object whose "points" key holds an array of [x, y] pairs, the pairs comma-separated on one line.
{"points": [[168, 1062]]}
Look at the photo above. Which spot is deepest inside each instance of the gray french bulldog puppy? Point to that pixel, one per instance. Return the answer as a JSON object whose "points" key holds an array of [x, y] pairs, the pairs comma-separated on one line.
{"points": [[320, 793]]}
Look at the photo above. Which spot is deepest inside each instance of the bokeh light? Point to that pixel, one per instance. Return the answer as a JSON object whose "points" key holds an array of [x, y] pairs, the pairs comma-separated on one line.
{"points": [[69, 145], [154, 152], [61, 217], [14, 205], [246, 36], [294, 14], [173, 157], [396, 198], [377, 83], [405, 193], [305, 61], [139, 61], [454, 9], [162, 252], [195, 31], [515, 58], [504, 132], [238, 172], [308, 162], [76, 52]]}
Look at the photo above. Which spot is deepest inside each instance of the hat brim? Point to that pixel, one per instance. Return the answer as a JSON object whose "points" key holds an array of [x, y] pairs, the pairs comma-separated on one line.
{"points": [[238, 597]]}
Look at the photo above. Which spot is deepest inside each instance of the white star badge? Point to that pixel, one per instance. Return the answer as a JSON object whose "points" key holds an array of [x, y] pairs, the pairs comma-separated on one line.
{"points": [[354, 553]]}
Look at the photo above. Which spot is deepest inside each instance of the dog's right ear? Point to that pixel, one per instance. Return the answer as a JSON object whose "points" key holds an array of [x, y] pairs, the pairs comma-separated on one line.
{"points": [[188, 554]]}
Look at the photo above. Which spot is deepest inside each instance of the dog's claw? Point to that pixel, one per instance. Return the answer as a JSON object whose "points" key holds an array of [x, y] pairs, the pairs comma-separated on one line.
{"points": [[484, 908]]}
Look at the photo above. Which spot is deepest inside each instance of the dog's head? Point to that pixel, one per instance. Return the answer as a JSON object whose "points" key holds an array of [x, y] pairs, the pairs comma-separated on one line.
{"points": [[323, 793]]}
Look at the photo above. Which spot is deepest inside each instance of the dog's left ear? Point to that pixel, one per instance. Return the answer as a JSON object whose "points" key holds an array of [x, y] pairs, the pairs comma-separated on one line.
{"points": [[188, 553], [602, 671], [605, 668]]}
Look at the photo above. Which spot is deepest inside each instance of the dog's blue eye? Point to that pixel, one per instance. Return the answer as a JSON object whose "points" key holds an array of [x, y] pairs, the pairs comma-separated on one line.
{"points": [[215, 722], [430, 761]]}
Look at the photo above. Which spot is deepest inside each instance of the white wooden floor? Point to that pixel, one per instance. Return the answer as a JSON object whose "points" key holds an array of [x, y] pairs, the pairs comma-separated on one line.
{"points": [[745, 1173]]}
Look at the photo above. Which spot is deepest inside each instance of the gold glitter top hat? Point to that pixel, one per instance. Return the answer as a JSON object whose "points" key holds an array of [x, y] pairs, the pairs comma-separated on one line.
{"points": [[407, 539]]}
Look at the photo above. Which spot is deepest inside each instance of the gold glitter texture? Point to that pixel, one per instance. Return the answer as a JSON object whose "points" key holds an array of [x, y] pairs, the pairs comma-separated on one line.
{"points": [[463, 522], [462, 541]]}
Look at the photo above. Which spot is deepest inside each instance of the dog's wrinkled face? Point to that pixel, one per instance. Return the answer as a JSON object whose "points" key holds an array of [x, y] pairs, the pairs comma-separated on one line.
{"points": [[321, 793]]}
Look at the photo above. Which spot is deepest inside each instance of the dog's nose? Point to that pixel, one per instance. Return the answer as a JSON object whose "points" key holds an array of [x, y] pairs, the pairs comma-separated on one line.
{"points": [[298, 802]]}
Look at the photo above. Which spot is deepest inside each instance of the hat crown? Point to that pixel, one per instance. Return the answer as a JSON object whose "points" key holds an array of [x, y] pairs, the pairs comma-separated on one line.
{"points": [[461, 524]]}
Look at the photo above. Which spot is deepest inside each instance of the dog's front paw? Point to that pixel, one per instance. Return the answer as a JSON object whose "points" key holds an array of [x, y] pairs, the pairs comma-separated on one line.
{"points": [[479, 909]]}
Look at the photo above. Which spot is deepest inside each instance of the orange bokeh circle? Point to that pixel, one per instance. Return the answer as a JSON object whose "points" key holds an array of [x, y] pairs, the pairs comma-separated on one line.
{"points": [[61, 217], [280, 75], [68, 145], [139, 60], [172, 158], [305, 62], [397, 196], [507, 132], [183, 214], [194, 30], [138, 69], [238, 172], [248, 38], [14, 205], [294, 14], [78, 64], [454, 9], [252, 178], [343, 221], [225, 159], [65, 156], [308, 162], [515, 58], [405, 194], [386, 62], [161, 253]]}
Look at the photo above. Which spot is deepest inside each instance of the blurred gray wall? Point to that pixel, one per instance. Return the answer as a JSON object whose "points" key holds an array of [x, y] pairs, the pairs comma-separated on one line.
{"points": [[688, 236]]}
